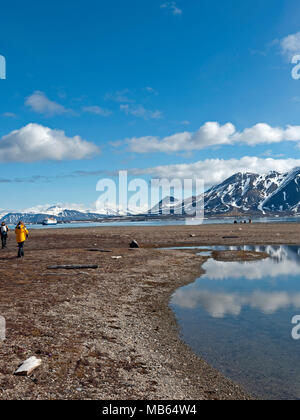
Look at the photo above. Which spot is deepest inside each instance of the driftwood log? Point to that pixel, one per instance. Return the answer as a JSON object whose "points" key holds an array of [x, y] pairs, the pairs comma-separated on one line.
{"points": [[72, 267], [99, 250], [230, 237]]}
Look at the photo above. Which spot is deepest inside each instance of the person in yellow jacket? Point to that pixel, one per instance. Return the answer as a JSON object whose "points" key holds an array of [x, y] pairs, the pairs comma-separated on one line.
{"points": [[21, 236]]}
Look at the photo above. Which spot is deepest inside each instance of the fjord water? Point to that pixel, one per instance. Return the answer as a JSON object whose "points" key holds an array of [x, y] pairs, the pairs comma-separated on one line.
{"points": [[161, 222], [238, 317]]}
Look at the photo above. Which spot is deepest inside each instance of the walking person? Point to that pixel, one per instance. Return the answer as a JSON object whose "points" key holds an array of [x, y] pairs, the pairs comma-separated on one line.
{"points": [[21, 236], [4, 234]]}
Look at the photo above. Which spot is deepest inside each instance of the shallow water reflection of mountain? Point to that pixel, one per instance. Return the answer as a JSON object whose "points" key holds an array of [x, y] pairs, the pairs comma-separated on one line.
{"points": [[238, 317]]}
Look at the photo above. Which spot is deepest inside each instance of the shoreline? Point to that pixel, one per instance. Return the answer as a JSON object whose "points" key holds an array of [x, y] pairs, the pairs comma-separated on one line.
{"points": [[287, 220], [110, 333]]}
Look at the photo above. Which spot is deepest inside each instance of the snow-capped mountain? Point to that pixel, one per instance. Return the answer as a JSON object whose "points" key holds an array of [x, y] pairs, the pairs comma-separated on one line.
{"points": [[250, 193], [2, 213], [165, 206], [110, 209], [65, 216], [286, 198], [54, 210], [66, 213]]}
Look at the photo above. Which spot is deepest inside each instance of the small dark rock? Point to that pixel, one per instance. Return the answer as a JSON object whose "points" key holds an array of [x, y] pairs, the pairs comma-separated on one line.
{"points": [[134, 244]]}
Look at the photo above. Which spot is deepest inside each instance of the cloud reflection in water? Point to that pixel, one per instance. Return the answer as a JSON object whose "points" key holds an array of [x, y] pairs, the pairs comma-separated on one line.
{"points": [[285, 261]]}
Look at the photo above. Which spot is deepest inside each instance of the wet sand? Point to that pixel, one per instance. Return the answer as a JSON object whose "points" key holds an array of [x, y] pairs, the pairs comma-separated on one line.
{"points": [[109, 333]]}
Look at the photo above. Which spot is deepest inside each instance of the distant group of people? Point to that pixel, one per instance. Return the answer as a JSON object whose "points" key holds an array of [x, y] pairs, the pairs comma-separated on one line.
{"points": [[243, 222], [21, 233]]}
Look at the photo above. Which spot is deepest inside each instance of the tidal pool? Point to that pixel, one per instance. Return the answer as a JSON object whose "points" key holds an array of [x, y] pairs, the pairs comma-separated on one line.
{"points": [[238, 317]]}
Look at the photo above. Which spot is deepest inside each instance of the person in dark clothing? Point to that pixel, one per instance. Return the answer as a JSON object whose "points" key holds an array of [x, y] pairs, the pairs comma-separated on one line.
{"points": [[4, 234], [21, 249]]}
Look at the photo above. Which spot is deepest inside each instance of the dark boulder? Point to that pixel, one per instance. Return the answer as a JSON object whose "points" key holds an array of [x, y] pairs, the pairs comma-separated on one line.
{"points": [[134, 244]]}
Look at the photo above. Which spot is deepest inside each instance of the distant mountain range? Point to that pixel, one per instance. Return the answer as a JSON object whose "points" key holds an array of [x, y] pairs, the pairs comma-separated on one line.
{"points": [[273, 193], [246, 194], [243, 194], [62, 215]]}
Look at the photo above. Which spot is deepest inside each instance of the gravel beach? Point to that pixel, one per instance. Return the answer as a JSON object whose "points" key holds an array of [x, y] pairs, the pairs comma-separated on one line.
{"points": [[108, 333]]}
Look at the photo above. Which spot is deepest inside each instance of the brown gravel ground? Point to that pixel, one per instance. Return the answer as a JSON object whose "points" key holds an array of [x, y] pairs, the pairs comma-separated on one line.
{"points": [[109, 333]]}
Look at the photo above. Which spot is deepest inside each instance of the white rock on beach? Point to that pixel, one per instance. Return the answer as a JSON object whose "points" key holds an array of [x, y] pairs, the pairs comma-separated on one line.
{"points": [[28, 366], [2, 328]]}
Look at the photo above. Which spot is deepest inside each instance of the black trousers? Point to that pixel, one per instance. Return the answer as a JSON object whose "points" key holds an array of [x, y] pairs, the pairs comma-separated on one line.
{"points": [[3, 240], [21, 249]]}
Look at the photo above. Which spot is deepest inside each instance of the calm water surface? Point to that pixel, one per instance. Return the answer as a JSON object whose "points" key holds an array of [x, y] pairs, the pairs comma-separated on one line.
{"points": [[238, 316], [182, 222]]}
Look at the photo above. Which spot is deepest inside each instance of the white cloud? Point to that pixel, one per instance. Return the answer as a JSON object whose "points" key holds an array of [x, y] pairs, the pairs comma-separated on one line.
{"points": [[208, 135], [35, 142], [218, 305], [120, 96], [140, 112], [254, 271], [213, 134], [214, 171], [172, 6], [221, 303], [290, 45], [96, 110], [38, 102], [9, 115], [263, 133]]}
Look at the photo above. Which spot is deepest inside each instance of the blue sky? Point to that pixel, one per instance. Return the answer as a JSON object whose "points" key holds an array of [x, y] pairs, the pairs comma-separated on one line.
{"points": [[159, 88]]}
